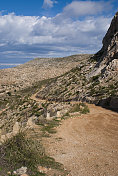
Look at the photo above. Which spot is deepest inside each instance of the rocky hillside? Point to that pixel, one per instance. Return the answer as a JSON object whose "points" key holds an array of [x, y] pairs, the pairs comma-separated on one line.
{"points": [[95, 80], [20, 77], [107, 57], [37, 96]]}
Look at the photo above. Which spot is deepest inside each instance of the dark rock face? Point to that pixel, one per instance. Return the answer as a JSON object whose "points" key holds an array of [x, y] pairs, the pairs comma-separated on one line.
{"points": [[110, 41], [109, 51], [111, 38], [110, 103]]}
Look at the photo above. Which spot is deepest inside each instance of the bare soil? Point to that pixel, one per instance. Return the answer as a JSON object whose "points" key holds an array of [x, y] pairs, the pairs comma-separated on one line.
{"points": [[87, 145]]}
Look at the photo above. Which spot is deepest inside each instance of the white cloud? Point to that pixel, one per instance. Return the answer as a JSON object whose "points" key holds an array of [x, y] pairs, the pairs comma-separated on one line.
{"points": [[48, 3], [82, 8], [31, 36]]}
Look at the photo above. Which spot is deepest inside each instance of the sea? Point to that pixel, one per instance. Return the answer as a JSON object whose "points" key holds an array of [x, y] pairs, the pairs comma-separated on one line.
{"points": [[9, 63], [3, 66]]}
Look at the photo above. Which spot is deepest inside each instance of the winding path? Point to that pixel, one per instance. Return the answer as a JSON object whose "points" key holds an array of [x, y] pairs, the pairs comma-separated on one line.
{"points": [[86, 145]]}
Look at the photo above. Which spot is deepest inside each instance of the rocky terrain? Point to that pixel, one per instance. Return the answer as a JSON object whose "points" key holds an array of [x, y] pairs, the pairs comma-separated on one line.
{"points": [[39, 96], [108, 55], [26, 75], [21, 113], [95, 80]]}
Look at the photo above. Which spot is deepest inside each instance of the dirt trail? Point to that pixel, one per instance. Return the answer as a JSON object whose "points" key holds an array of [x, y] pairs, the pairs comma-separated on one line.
{"points": [[87, 145], [33, 97], [1, 111]]}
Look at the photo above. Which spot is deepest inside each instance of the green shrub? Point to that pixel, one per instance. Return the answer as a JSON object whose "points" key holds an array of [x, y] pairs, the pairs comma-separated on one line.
{"points": [[9, 93], [20, 151], [81, 107], [49, 126], [95, 78], [75, 108]]}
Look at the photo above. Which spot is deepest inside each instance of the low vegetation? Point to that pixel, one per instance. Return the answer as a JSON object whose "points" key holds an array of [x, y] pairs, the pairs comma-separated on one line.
{"points": [[81, 107], [20, 151], [49, 126]]}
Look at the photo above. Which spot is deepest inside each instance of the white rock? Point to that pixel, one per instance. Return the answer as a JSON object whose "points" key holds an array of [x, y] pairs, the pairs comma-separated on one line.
{"points": [[58, 114], [30, 122], [3, 138], [21, 171], [16, 128]]}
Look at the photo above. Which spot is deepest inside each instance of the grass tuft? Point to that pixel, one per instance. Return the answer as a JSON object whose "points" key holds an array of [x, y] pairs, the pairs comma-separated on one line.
{"points": [[81, 107], [20, 151]]}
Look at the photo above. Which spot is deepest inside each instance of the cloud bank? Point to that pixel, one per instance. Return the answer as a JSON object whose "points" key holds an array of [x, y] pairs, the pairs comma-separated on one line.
{"points": [[82, 8], [48, 3], [32, 36]]}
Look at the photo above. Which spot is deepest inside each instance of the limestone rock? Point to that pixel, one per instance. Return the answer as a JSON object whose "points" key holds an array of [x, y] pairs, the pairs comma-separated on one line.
{"points": [[58, 114], [9, 135], [48, 116], [16, 128], [20, 171], [3, 138], [42, 169], [109, 51], [31, 122]]}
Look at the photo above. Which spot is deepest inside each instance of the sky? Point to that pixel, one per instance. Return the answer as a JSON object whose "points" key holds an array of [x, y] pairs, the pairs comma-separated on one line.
{"points": [[52, 28]]}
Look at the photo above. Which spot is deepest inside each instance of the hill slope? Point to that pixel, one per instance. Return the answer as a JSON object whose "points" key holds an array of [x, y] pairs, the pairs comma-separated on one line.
{"points": [[38, 69], [37, 96], [95, 80]]}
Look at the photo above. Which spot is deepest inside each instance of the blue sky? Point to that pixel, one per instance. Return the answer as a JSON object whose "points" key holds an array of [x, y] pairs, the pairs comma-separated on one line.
{"points": [[33, 7], [52, 28]]}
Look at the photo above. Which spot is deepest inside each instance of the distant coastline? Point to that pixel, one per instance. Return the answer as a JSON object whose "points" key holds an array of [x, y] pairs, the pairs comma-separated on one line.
{"points": [[8, 65]]}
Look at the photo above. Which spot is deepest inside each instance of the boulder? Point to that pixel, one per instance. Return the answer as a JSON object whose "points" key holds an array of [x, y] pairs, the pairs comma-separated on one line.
{"points": [[114, 104], [16, 128], [20, 171], [3, 138], [58, 114], [31, 122], [110, 103], [49, 117], [42, 169]]}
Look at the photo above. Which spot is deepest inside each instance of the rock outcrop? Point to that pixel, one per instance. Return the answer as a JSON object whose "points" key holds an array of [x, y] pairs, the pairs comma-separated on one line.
{"points": [[109, 103], [93, 81], [109, 52]]}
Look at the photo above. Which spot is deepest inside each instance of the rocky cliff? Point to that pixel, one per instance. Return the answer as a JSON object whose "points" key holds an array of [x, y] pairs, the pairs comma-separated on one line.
{"points": [[95, 80], [107, 57], [92, 78]]}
